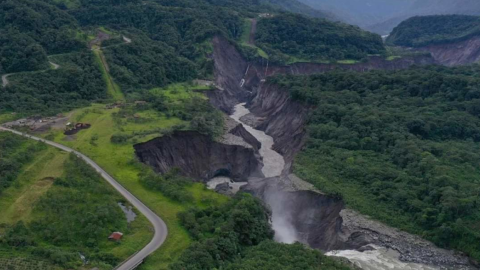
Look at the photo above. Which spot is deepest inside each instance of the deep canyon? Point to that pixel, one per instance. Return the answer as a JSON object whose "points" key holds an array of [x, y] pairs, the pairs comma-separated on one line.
{"points": [[259, 147]]}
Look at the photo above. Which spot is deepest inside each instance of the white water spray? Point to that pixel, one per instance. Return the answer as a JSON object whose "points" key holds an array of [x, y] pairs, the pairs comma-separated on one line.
{"points": [[273, 165]]}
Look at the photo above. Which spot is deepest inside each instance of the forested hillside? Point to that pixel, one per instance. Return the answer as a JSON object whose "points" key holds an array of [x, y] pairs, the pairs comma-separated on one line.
{"points": [[402, 147], [298, 7], [76, 83], [289, 36], [427, 30], [169, 44], [32, 29]]}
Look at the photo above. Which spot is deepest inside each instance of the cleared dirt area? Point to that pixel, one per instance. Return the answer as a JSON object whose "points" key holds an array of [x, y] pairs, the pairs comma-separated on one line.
{"points": [[101, 36], [40, 124]]}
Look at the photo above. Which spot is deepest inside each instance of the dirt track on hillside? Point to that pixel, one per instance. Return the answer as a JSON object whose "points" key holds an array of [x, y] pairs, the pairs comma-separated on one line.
{"points": [[253, 30]]}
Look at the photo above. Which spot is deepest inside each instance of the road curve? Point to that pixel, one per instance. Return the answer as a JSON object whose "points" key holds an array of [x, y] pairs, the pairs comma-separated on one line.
{"points": [[5, 80], [158, 224], [55, 66], [5, 76]]}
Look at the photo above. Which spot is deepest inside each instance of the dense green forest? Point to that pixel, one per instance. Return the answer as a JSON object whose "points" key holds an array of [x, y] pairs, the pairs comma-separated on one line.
{"points": [[428, 30], [145, 63], [76, 214], [14, 153], [237, 235], [30, 30], [170, 43], [402, 147], [314, 39], [76, 83]]}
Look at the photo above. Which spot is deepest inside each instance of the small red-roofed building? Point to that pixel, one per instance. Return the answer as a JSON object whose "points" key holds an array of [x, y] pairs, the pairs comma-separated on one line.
{"points": [[116, 236]]}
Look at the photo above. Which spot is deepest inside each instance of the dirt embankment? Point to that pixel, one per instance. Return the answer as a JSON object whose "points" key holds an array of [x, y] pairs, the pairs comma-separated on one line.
{"points": [[374, 63], [198, 157], [241, 132], [457, 53], [230, 69], [261, 70], [274, 112]]}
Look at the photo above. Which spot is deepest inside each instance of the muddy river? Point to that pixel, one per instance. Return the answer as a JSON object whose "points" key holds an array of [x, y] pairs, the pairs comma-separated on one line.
{"points": [[273, 162], [376, 259]]}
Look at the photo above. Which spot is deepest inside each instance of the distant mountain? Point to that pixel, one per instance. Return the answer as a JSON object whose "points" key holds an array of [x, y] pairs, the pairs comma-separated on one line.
{"points": [[427, 7], [381, 16], [361, 12], [420, 31]]}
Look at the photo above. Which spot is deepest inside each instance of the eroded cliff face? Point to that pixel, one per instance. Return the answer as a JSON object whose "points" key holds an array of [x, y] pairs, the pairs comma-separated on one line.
{"points": [[230, 68], [198, 157], [455, 54], [302, 216], [274, 112], [241, 132]]}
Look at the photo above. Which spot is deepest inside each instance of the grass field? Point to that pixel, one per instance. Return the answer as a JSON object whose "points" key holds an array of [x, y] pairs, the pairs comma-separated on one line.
{"points": [[118, 161], [347, 61], [36, 179], [393, 57], [7, 262], [7, 117]]}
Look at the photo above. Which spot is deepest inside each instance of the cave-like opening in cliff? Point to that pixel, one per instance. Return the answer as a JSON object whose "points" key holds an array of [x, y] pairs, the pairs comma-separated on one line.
{"points": [[222, 172]]}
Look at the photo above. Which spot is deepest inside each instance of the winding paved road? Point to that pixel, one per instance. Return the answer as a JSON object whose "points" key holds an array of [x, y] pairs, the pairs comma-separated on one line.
{"points": [[158, 224], [5, 76]]}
